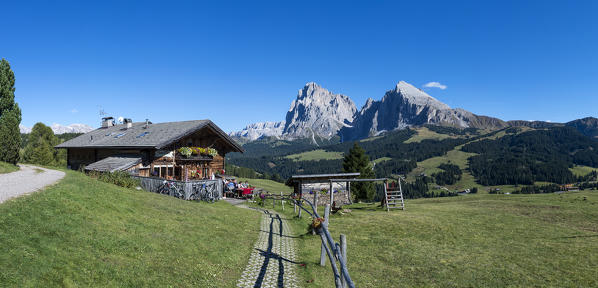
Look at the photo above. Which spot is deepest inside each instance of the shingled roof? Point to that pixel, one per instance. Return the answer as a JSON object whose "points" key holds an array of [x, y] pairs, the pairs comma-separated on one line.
{"points": [[155, 136], [116, 163]]}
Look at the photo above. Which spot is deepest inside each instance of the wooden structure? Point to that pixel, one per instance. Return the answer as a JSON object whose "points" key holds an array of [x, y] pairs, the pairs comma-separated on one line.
{"points": [[393, 198], [152, 150]]}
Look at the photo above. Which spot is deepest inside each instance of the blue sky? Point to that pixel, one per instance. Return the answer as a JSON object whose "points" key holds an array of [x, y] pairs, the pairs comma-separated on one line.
{"points": [[243, 62]]}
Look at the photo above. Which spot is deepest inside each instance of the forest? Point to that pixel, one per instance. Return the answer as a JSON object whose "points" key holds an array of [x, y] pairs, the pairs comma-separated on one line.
{"points": [[266, 159], [538, 155]]}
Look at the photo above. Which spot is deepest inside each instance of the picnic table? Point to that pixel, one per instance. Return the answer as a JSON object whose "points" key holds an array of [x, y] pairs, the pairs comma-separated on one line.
{"points": [[242, 192]]}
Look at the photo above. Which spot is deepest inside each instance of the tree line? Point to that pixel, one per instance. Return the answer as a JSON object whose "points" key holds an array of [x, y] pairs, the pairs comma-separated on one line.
{"points": [[539, 155], [403, 156], [450, 175]]}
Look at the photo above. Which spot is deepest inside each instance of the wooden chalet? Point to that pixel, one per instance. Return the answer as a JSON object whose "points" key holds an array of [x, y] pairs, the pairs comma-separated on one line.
{"points": [[153, 150]]}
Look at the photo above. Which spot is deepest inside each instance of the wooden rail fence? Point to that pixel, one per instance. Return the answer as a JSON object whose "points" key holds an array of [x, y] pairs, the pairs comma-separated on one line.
{"points": [[336, 252]]}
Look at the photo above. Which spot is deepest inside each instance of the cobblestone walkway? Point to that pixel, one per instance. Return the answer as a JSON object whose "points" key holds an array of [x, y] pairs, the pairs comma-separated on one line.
{"points": [[272, 262]]}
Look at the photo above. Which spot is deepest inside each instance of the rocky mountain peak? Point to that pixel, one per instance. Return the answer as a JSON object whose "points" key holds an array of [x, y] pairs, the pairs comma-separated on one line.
{"points": [[416, 96], [317, 111], [406, 106]]}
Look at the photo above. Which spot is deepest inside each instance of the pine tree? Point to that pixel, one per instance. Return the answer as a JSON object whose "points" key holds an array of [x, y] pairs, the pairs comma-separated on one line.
{"points": [[10, 116], [357, 161], [40, 146]]}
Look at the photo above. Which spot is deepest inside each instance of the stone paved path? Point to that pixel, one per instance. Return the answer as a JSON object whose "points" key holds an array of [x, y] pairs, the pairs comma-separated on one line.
{"points": [[272, 262]]}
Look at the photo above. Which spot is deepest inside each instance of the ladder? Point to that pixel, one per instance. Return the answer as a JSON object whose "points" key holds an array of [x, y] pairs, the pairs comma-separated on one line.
{"points": [[394, 198]]}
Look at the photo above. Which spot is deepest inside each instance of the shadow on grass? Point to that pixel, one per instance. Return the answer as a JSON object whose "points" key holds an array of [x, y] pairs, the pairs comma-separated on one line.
{"points": [[578, 236]]}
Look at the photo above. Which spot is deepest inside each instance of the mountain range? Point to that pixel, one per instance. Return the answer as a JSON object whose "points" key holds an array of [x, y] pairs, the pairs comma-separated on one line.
{"points": [[319, 112], [61, 129]]}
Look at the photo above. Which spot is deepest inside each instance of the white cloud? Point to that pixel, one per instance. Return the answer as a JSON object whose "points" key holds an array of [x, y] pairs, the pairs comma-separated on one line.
{"points": [[435, 85], [74, 111]]}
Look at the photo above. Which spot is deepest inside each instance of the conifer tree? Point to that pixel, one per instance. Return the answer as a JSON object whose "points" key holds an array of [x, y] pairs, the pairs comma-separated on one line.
{"points": [[10, 116], [40, 146], [357, 161]]}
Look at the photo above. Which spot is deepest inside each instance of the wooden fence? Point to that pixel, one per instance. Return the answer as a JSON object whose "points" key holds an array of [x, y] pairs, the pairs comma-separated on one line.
{"points": [[334, 251], [188, 190]]}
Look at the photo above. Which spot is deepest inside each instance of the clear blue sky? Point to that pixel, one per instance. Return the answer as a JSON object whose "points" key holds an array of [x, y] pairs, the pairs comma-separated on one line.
{"points": [[242, 62]]}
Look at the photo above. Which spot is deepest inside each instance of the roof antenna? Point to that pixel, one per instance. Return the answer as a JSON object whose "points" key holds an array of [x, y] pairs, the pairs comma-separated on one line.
{"points": [[102, 112]]}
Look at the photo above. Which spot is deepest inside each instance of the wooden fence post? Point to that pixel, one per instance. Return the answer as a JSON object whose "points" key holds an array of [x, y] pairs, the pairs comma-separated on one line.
{"points": [[323, 249], [313, 231], [281, 201], [331, 194], [349, 193], [316, 200], [344, 254]]}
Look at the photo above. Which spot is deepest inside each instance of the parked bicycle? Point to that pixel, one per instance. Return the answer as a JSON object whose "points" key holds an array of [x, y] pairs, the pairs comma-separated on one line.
{"points": [[169, 188], [207, 192]]}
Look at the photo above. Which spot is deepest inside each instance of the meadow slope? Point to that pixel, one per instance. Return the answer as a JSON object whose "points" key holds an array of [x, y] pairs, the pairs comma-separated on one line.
{"points": [[82, 232]]}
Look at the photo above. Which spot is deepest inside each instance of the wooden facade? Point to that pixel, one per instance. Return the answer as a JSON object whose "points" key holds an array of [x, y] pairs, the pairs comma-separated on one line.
{"points": [[162, 161]]}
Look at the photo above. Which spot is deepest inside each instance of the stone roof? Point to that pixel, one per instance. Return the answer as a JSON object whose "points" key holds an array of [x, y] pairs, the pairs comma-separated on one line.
{"points": [[115, 163], [155, 136]]}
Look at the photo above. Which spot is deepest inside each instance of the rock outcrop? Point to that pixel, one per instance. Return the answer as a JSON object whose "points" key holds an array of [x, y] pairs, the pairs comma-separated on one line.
{"points": [[406, 106], [317, 111]]}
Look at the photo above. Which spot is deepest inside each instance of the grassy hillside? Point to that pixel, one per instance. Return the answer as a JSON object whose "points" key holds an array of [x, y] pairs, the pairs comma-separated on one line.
{"points": [[268, 185], [424, 133], [465, 241], [318, 154], [7, 168], [505, 159], [580, 170], [82, 232]]}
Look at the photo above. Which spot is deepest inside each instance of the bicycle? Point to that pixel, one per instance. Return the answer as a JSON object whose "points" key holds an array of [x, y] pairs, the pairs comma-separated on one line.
{"points": [[207, 192], [169, 188]]}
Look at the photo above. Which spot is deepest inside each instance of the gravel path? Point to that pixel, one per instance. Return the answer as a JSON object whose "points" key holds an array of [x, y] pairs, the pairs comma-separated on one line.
{"points": [[272, 262], [28, 179]]}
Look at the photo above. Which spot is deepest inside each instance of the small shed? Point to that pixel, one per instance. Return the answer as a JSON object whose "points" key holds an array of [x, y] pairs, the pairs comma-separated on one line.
{"points": [[336, 186]]}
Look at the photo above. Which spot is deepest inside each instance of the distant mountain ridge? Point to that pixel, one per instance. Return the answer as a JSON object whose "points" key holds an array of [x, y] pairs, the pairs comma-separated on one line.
{"points": [[62, 129], [587, 126], [317, 112], [260, 129], [407, 106]]}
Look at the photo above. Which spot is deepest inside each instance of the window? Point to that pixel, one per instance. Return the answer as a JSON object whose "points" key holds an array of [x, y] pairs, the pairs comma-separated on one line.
{"points": [[120, 135], [142, 134]]}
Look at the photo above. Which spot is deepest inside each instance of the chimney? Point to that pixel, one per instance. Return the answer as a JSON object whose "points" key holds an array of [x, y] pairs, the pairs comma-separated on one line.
{"points": [[146, 123], [107, 122], [128, 123]]}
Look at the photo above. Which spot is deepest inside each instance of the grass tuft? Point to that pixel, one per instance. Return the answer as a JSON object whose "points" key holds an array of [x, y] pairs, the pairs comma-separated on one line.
{"points": [[8, 168]]}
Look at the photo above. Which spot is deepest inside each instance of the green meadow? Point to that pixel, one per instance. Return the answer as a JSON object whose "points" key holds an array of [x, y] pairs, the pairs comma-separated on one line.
{"points": [[85, 233]]}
